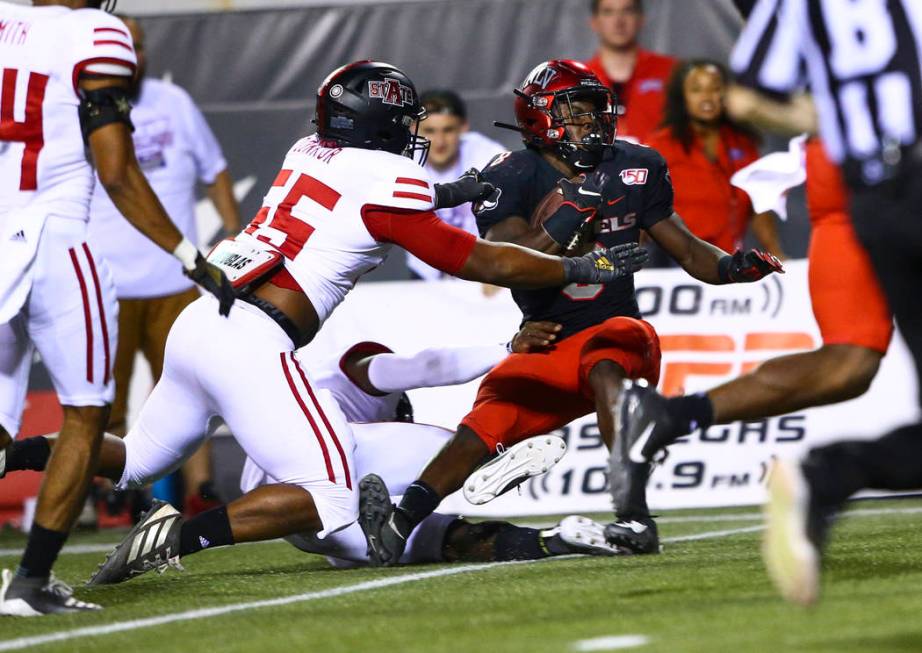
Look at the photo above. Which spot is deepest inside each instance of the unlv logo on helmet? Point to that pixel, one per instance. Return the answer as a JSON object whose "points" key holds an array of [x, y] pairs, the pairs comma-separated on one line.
{"points": [[542, 76], [390, 91]]}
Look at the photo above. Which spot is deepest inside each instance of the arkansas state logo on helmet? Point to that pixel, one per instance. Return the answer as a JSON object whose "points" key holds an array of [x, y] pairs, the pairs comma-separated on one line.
{"points": [[371, 105], [563, 105]]}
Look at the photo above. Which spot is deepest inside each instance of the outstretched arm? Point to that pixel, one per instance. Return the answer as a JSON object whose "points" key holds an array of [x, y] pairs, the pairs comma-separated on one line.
{"points": [[429, 368], [706, 262]]}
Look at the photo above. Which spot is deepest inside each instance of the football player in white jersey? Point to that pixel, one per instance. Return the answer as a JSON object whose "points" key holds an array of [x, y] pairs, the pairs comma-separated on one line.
{"points": [[65, 70], [369, 382], [342, 199]]}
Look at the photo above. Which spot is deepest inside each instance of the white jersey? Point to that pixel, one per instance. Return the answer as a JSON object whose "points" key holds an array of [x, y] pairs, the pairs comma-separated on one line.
{"points": [[175, 148], [475, 151], [43, 51], [356, 404], [316, 213]]}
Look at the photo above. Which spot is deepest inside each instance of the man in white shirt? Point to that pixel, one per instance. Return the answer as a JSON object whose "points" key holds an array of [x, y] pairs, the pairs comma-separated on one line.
{"points": [[454, 150], [176, 149]]}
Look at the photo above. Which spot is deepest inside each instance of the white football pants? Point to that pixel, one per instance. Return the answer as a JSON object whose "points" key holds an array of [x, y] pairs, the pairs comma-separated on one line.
{"points": [[243, 368]]}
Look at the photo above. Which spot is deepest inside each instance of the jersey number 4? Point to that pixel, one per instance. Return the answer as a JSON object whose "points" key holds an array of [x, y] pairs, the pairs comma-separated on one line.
{"points": [[282, 230], [29, 131]]}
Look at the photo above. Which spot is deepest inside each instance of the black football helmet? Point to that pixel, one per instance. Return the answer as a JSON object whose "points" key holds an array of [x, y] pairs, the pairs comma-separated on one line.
{"points": [[374, 106]]}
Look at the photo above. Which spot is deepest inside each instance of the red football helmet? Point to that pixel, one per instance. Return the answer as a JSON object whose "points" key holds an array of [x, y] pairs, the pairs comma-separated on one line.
{"points": [[563, 105]]}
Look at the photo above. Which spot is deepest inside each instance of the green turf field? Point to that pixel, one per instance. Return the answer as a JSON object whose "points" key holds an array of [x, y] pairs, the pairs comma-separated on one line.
{"points": [[706, 592]]}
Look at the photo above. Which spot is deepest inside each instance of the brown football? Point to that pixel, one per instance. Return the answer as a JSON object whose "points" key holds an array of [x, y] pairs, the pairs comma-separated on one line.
{"points": [[547, 206]]}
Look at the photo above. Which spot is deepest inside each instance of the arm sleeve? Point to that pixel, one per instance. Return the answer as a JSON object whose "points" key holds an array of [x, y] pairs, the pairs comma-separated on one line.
{"points": [[421, 233], [658, 193], [101, 45], [768, 54], [432, 368], [209, 159]]}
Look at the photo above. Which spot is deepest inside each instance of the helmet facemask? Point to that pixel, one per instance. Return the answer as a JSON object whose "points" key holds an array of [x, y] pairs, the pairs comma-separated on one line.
{"points": [[106, 5], [417, 147], [584, 124]]}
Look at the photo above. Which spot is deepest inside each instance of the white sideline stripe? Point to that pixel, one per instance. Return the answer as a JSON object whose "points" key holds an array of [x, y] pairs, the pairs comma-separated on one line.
{"points": [[691, 519], [610, 643], [205, 613]]}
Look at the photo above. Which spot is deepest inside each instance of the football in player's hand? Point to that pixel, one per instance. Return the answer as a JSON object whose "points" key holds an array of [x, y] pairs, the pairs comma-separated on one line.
{"points": [[547, 206]]}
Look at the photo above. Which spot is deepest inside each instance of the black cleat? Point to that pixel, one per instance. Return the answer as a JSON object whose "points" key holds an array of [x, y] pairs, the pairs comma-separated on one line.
{"points": [[633, 536], [385, 540], [34, 597], [646, 428], [795, 534], [153, 543]]}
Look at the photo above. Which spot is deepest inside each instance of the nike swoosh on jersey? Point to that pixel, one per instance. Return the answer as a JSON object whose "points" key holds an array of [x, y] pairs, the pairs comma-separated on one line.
{"points": [[616, 200], [583, 191]]}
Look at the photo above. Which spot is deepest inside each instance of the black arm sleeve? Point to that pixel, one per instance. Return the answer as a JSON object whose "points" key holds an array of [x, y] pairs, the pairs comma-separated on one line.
{"points": [[101, 107]]}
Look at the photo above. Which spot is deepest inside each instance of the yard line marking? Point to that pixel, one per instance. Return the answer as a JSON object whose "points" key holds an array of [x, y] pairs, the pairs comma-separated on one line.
{"points": [[204, 613], [713, 534], [610, 643]]}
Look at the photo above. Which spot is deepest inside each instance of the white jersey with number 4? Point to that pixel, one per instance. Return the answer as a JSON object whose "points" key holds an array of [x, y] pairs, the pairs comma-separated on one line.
{"points": [[317, 214], [43, 52]]}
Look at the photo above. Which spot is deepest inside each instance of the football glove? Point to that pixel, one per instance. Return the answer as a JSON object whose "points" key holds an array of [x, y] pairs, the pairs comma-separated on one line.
{"points": [[605, 265], [469, 187], [574, 218], [746, 267], [211, 278]]}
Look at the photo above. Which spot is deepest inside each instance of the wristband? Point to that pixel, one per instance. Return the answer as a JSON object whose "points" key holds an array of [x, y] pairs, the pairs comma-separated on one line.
{"points": [[187, 253], [723, 269]]}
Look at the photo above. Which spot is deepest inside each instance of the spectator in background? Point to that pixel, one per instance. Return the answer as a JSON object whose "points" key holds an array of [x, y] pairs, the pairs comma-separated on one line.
{"points": [[703, 149], [175, 148], [637, 76], [454, 149]]}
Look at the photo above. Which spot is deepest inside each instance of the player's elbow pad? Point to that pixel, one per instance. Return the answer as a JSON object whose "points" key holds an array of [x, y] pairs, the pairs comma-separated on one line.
{"points": [[101, 107]]}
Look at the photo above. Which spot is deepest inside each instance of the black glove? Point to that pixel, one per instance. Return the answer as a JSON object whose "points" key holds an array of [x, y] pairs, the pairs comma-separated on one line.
{"points": [[746, 267], [469, 187], [211, 278], [581, 201], [604, 265]]}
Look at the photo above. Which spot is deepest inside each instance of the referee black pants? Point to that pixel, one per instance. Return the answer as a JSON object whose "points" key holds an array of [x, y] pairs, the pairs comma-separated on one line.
{"points": [[888, 220]]}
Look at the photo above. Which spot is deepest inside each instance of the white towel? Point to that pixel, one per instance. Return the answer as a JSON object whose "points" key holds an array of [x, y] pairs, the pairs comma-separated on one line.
{"points": [[768, 180]]}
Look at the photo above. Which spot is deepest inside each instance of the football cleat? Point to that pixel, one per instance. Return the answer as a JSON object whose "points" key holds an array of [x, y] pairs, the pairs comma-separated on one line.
{"points": [[582, 535], [645, 426], [633, 536], [153, 543], [795, 531], [34, 597], [385, 539], [512, 466]]}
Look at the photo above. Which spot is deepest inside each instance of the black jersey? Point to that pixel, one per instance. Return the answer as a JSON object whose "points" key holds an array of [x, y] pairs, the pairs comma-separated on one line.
{"points": [[637, 195]]}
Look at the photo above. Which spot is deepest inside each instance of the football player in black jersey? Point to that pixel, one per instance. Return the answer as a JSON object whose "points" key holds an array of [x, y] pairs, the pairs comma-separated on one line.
{"points": [[611, 190]]}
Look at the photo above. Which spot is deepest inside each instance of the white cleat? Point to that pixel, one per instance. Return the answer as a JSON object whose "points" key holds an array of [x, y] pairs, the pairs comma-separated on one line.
{"points": [[35, 597], [516, 464], [792, 559], [586, 536]]}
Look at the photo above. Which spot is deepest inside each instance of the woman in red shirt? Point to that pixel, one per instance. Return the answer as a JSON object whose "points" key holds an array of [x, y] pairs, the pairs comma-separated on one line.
{"points": [[703, 149]]}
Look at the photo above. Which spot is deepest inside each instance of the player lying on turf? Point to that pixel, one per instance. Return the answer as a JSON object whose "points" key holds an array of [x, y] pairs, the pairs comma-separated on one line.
{"points": [[369, 383], [567, 122], [343, 198]]}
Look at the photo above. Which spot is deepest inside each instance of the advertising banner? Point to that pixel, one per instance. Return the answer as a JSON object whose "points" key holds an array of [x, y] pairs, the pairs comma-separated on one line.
{"points": [[709, 334]]}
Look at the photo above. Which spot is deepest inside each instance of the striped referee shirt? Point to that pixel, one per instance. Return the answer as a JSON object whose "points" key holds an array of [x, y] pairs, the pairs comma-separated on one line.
{"points": [[862, 62]]}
